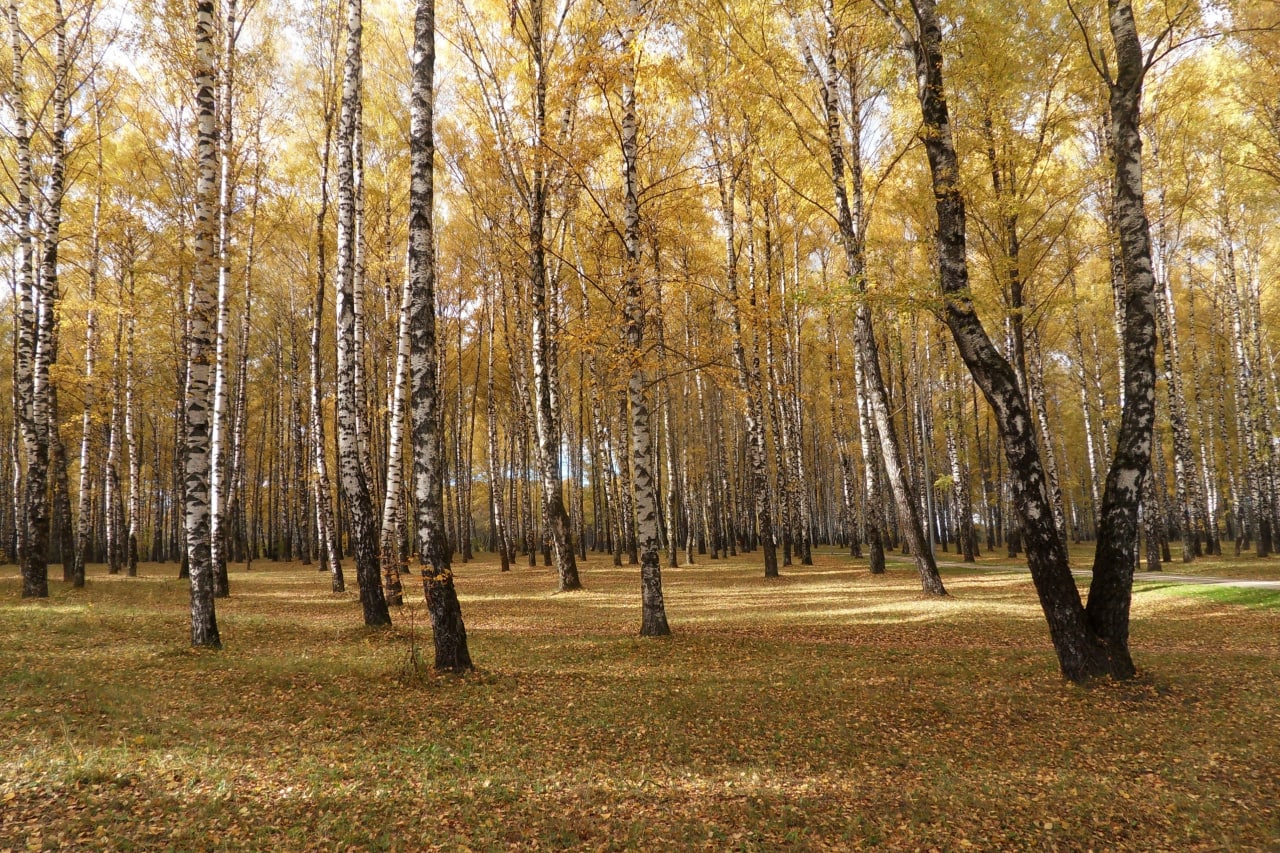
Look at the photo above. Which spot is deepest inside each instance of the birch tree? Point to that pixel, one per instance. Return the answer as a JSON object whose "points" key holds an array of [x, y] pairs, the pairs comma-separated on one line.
{"points": [[546, 379], [1083, 650], [653, 622], [852, 241], [355, 483], [226, 191], [201, 319], [437, 579], [33, 526], [392, 509]]}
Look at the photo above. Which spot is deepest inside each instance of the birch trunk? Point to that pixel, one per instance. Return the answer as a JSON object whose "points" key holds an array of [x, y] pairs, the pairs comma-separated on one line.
{"points": [[437, 579], [748, 384], [793, 408], [1086, 405], [364, 442], [676, 497], [491, 436], [201, 311], [329, 552], [1039, 400], [873, 504], [838, 435], [1111, 588], [61, 520], [217, 449], [240, 413], [1187, 492], [299, 511], [851, 239], [84, 528], [1082, 654], [389, 539], [33, 526], [545, 378], [951, 404], [111, 474], [131, 439], [351, 466], [1253, 516], [653, 622], [1204, 428]]}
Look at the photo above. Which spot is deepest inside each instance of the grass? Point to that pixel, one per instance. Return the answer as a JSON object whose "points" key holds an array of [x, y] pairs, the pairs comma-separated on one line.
{"points": [[827, 710], [1264, 598]]}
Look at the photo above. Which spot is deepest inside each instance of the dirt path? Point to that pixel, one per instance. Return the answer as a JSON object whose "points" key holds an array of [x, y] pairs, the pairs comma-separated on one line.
{"points": [[1160, 577]]}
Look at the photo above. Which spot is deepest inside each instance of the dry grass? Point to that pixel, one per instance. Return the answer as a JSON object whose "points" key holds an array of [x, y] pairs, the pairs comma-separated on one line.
{"points": [[826, 710]]}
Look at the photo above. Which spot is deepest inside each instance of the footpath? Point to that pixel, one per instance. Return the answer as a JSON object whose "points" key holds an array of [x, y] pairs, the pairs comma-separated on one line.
{"points": [[1152, 577]]}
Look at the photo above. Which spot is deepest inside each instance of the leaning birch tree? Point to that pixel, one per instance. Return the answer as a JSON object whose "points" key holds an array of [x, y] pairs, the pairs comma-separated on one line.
{"points": [[853, 242]]}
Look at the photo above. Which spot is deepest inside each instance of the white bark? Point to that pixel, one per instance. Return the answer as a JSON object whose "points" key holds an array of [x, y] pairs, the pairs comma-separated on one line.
{"points": [[217, 450], [389, 538], [201, 314]]}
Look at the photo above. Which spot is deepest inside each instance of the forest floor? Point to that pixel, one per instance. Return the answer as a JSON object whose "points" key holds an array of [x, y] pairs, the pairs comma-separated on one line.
{"points": [[827, 709]]}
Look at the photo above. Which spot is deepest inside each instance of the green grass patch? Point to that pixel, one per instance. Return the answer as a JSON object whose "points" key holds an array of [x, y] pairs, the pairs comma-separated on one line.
{"points": [[1268, 599]]}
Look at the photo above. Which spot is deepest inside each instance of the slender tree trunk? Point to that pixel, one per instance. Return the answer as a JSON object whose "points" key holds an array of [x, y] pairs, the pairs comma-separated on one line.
{"points": [[1254, 518], [389, 539], [873, 504], [240, 413], [546, 379], [218, 440], [952, 402], [111, 491], [851, 238], [442, 599], [202, 308], [30, 368], [748, 381], [1086, 404], [839, 417], [61, 520], [351, 465], [325, 527], [1115, 557], [131, 438], [84, 518], [501, 535], [653, 621], [1039, 400]]}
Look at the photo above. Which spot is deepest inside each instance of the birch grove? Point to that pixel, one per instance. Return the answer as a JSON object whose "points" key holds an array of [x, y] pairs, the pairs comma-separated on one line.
{"points": [[553, 288]]}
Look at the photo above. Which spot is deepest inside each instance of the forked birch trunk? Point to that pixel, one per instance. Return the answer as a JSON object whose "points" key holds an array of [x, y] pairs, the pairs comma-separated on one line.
{"points": [[1094, 643]]}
